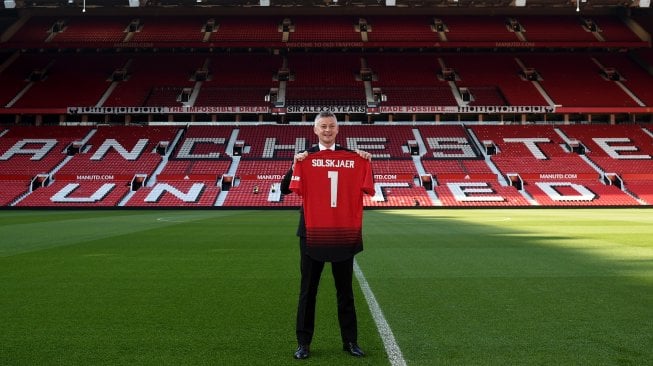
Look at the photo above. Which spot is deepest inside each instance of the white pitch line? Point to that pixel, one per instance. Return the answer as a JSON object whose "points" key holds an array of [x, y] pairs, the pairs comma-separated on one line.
{"points": [[391, 347]]}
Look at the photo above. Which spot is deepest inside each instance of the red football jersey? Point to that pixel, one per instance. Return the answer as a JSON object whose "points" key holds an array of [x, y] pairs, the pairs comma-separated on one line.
{"points": [[332, 184]]}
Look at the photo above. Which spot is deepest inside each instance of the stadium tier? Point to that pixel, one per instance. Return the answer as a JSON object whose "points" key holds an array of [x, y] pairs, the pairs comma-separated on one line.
{"points": [[241, 166], [262, 87], [207, 108], [219, 30], [557, 71], [274, 68]]}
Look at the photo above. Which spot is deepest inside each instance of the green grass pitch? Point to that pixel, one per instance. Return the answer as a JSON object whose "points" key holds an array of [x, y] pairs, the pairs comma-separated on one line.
{"points": [[219, 287]]}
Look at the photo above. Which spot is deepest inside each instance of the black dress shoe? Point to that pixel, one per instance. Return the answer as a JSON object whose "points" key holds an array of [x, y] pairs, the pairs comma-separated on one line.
{"points": [[302, 352], [353, 349]]}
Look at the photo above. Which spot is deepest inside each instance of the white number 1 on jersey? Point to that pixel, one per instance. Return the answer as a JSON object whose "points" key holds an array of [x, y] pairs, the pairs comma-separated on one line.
{"points": [[333, 176]]}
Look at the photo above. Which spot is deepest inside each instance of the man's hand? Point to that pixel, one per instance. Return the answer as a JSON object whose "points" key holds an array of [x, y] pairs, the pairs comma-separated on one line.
{"points": [[299, 157], [363, 154]]}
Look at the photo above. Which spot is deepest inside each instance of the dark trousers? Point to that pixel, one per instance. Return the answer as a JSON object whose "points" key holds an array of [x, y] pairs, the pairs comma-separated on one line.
{"points": [[311, 271]]}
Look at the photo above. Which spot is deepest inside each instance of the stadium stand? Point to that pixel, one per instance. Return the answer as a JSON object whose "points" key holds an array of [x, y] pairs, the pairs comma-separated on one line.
{"points": [[425, 165], [182, 193], [479, 194], [624, 149], [613, 29], [558, 70], [474, 29], [200, 155], [239, 80], [247, 31], [151, 80], [623, 68], [318, 29], [17, 75], [67, 80], [558, 29], [12, 190], [76, 31], [495, 71], [458, 108], [162, 29], [399, 30], [117, 154], [28, 151], [409, 79], [641, 189], [77, 194]]}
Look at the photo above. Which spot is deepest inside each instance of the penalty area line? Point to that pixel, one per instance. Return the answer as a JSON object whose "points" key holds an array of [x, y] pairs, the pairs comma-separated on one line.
{"points": [[391, 347]]}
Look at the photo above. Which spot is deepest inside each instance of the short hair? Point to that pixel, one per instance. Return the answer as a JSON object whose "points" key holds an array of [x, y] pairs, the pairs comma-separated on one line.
{"points": [[325, 114]]}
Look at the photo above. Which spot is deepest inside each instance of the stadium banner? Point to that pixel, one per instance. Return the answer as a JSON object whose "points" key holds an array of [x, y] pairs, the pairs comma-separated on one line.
{"points": [[168, 110], [275, 177], [469, 109], [559, 176], [331, 44], [16, 177], [94, 177], [188, 177], [465, 176], [391, 177], [481, 109], [637, 176], [604, 110], [278, 177], [324, 108], [463, 44], [35, 111]]}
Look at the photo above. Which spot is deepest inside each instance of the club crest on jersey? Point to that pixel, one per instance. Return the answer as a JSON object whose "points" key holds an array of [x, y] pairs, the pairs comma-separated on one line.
{"points": [[332, 163]]}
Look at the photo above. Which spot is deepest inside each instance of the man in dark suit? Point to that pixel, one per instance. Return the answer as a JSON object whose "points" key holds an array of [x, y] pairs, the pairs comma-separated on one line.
{"points": [[326, 129]]}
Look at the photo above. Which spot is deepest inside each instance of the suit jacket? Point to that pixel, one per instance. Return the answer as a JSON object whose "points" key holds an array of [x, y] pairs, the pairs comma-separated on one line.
{"points": [[285, 189]]}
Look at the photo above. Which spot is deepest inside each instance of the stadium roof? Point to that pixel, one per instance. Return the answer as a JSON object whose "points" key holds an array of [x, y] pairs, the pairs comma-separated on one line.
{"points": [[441, 4]]}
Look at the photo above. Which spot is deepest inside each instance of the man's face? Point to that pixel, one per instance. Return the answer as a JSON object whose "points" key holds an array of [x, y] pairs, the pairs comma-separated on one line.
{"points": [[326, 130]]}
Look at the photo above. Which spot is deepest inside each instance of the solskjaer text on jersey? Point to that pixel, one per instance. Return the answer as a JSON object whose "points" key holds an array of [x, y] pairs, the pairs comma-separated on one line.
{"points": [[333, 163]]}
